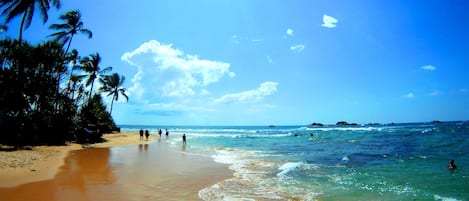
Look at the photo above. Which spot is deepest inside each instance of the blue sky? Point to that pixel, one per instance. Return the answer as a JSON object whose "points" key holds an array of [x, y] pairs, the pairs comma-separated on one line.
{"points": [[253, 62]]}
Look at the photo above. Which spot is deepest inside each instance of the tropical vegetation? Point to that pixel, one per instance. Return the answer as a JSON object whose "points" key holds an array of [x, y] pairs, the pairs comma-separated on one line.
{"points": [[47, 93]]}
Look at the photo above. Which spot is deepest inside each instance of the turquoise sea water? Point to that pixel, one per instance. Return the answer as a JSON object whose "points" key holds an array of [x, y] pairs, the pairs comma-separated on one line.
{"points": [[385, 162]]}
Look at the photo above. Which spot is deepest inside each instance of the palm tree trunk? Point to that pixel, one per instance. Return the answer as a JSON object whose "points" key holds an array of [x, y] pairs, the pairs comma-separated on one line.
{"points": [[20, 35], [112, 102], [91, 90], [68, 46]]}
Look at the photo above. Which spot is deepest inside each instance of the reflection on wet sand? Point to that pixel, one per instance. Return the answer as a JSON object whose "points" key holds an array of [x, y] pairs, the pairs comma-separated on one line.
{"points": [[86, 175], [154, 172]]}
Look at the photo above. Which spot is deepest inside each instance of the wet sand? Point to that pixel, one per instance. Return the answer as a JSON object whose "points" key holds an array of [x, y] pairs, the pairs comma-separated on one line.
{"points": [[146, 171], [43, 162]]}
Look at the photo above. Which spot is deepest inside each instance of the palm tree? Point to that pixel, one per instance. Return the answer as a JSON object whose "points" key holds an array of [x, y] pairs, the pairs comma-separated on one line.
{"points": [[73, 25], [113, 86], [91, 66], [14, 8], [74, 83]]}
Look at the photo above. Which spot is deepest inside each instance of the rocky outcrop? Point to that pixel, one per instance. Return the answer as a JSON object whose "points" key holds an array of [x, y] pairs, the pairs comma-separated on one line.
{"points": [[344, 123]]}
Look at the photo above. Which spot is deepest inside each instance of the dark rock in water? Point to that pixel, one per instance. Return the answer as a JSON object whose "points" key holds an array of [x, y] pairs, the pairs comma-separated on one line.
{"points": [[316, 124], [344, 123], [271, 126], [437, 122]]}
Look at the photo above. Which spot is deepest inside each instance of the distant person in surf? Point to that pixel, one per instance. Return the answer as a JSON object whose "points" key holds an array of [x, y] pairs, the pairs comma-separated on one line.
{"points": [[160, 132], [167, 133], [141, 134], [184, 139], [451, 165], [147, 134]]}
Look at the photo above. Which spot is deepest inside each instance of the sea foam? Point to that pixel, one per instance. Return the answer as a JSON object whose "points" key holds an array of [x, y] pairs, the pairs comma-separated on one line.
{"points": [[288, 167]]}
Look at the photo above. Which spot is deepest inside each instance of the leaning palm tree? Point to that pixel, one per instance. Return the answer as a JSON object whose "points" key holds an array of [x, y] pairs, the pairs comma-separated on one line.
{"points": [[14, 8], [73, 25], [91, 66], [112, 84]]}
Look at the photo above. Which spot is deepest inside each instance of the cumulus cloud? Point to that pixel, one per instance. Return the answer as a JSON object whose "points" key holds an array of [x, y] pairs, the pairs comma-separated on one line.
{"points": [[289, 32], [409, 95], [270, 60], [328, 21], [297, 48], [265, 89], [428, 67], [166, 71]]}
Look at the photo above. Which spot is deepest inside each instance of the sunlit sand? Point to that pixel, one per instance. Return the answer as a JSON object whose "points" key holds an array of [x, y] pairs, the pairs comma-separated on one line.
{"points": [[135, 170]]}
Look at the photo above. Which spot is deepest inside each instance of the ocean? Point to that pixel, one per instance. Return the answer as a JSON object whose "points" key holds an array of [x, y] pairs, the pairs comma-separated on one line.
{"points": [[364, 162]]}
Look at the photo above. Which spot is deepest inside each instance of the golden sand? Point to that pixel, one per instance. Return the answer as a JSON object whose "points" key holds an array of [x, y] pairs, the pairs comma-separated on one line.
{"points": [[73, 173], [25, 166]]}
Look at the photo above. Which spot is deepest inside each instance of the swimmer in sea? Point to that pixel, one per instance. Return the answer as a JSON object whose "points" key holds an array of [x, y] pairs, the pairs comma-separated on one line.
{"points": [[451, 165]]}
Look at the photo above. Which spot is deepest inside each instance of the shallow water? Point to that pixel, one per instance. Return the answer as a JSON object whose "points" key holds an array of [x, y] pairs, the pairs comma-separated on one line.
{"points": [[386, 162]]}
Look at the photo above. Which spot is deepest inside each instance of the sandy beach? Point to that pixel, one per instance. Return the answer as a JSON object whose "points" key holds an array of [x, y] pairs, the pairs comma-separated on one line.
{"points": [[118, 169]]}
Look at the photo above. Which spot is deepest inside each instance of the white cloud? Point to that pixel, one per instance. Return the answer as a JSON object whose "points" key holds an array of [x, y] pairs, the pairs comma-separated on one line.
{"points": [[257, 40], [270, 60], [289, 32], [235, 39], [265, 89], [168, 107], [428, 67], [297, 48], [165, 71], [329, 21], [204, 92], [409, 95]]}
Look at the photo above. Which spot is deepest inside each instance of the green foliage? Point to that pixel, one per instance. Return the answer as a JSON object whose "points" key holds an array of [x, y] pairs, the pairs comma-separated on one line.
{"points": [[37, 104], [72, 26], [91, 66], [112, 85], [93, 115], [32, 109], [14, 8]]}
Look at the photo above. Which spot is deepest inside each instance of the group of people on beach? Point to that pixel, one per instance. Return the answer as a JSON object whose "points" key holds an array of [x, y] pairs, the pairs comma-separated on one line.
{"points": [[160, 132], [147, 134]]}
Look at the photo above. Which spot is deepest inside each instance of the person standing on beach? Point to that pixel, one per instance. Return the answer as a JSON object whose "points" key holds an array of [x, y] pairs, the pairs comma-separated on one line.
{"points": [[184, 139], [160, 132], [147, 134], [167, 133], [141, 134]]}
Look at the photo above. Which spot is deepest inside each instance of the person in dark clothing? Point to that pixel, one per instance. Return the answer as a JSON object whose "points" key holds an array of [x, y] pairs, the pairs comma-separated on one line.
{"points": [[147, 134], [141, 134], [184, 139]]}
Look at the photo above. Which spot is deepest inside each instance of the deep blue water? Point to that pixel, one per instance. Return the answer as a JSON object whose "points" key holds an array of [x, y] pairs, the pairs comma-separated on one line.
{"points": [[385, 162]]}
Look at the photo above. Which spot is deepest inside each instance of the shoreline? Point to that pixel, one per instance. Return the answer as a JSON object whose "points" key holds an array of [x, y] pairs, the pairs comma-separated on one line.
{"points": [[19, 167], [122, 168]]}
